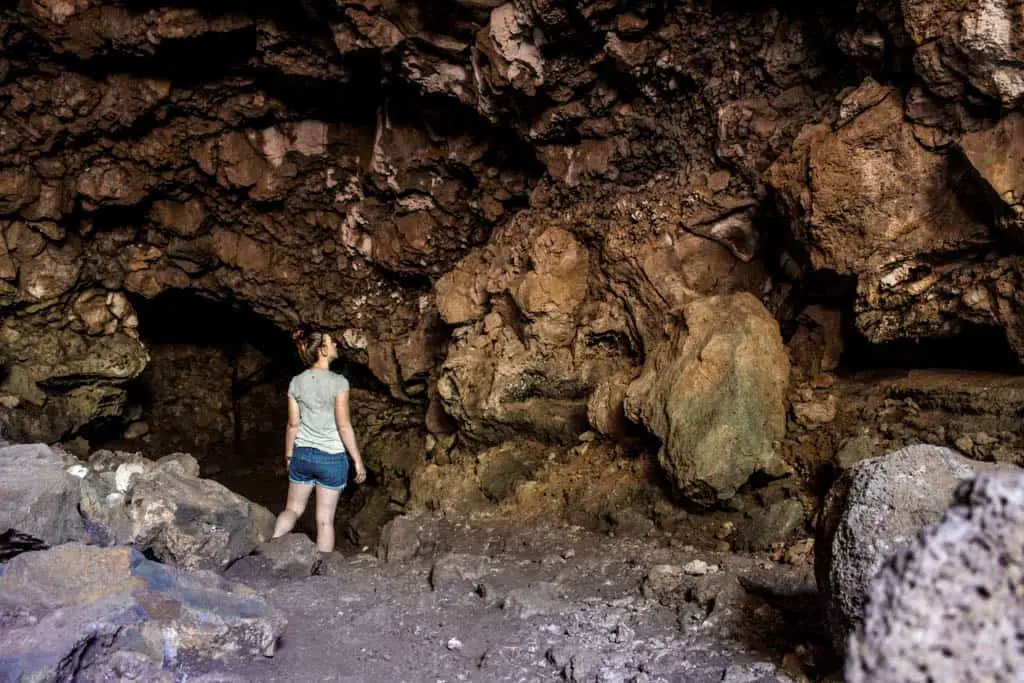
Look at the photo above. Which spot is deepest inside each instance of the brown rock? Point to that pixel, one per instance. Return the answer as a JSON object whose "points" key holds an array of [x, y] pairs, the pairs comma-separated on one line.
{"points": [[118, 184], [19, 187], [997, 153], [715, 397], [182, 218], [52, 273]]}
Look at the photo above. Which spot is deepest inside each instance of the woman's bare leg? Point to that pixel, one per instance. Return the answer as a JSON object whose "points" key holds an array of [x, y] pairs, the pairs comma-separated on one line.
{"points": [[298, 496], [326, 504]]}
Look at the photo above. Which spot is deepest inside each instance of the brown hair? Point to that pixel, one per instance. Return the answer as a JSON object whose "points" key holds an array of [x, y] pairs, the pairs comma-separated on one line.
{"points": [[308, 343]]}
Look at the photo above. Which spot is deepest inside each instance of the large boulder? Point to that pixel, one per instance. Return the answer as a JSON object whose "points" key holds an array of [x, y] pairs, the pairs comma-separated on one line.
{"points": [[714, 396], [164, 508], [190, 522], [874, 509], [948, 607], [80, 612], [38, 496]]}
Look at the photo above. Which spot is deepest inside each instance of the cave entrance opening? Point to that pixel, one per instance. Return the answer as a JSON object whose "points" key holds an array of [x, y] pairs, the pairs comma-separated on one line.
{"points": [[215, 388]]}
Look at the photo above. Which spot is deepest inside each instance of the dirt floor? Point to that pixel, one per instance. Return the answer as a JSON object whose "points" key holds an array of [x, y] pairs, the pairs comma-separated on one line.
{"points": [[487, 599]]}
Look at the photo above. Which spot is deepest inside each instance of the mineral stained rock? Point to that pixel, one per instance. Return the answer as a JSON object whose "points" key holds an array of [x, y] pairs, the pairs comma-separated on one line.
{"points": [[715, 397]]}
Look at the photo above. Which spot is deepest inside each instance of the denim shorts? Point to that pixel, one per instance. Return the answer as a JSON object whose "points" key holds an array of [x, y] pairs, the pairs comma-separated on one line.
{"points": [[314, 466]]}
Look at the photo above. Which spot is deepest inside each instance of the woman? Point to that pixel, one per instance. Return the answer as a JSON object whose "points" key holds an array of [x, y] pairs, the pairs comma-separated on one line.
{"points": [[319, 439]]}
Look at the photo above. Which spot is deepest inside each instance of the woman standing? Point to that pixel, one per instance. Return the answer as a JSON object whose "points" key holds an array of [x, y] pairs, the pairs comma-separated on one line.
{"points": [[319, 439]]}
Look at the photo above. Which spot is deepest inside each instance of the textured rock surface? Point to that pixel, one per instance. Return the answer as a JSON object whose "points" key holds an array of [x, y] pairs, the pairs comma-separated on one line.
{"points": [[501, 210], [948, 605], [164, 508], [876, 508], [78, 612], [39, 497], [714, 396]]}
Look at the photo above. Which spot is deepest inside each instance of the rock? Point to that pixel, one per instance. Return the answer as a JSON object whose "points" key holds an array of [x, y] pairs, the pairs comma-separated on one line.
{"points": [[541, 598], [714, 396], [399, 540], [38, 496], [948, 606], [699, 568], [813, 414], [874, 509], [870, 201], [967, 44], [18, 189], [457, 572], [81, 608], [188, 522], [775, 523], [996, 153], [662, 580], [292, 556]]}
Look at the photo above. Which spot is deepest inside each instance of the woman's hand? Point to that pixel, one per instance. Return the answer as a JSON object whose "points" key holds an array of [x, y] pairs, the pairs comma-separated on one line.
{"points": [[360, 472]]}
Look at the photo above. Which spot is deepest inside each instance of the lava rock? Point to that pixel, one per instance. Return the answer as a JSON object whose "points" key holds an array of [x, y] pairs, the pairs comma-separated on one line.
{"points": [[948, 606], [38, 496], [78, 612], [873, 510]]}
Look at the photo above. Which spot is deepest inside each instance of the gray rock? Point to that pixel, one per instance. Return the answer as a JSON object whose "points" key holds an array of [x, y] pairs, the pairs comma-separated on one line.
{"points": [[949, 607], [457, 572], [103, 510], [189, 522], [541, 598], [78, 612], [873, 510], [37, 495], [662, 580], [399, 540], [763, 527], [292, 556]]}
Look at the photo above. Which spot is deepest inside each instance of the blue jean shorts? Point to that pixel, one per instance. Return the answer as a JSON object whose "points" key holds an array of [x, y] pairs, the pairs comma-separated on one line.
{"points": [[314, 466]]}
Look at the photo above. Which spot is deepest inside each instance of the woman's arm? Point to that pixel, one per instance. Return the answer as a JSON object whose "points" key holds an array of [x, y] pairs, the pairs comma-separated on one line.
{"points": [[292, 430], [348, 435]]}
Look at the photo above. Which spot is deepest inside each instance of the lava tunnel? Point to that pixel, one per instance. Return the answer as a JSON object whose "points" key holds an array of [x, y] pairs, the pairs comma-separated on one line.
{"points": [[214, 387]]}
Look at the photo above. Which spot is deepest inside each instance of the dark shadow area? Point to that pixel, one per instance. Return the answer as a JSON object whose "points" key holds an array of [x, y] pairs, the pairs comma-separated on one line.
{"points": [[975, 348]]}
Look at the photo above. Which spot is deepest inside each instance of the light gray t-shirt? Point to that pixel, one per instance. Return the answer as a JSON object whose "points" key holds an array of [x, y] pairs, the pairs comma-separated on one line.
{"points": [[316, 392]]}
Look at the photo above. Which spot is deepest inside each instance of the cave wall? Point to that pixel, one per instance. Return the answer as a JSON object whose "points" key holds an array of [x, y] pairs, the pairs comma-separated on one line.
{"points": [[501, 210]]}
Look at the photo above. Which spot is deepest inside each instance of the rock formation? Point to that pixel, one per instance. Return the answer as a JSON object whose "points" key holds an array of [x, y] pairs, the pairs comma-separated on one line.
{"points": [[518, 219], [874, 511], [947, 606]]}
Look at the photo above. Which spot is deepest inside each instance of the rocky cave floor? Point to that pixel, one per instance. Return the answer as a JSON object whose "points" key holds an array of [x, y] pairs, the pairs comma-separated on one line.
{"points": [[490, 598]]}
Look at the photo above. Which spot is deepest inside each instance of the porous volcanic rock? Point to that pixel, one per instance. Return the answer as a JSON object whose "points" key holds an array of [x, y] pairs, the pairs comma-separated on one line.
{"points": [[947, 606], [876, 508]]}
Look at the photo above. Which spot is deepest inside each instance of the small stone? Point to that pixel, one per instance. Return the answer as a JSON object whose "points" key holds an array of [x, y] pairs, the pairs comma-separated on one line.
{"points": [[699, 568], [454, 644], [964, 444], [78, 471]]}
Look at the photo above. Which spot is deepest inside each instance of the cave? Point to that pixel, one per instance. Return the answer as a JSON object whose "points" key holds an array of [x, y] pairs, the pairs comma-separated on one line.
{"points": [[214, 387], [634, 273]]}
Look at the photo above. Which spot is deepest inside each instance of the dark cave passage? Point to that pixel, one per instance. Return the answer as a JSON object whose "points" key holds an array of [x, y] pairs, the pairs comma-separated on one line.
{"points": [[214, 387], [976, 348]]}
